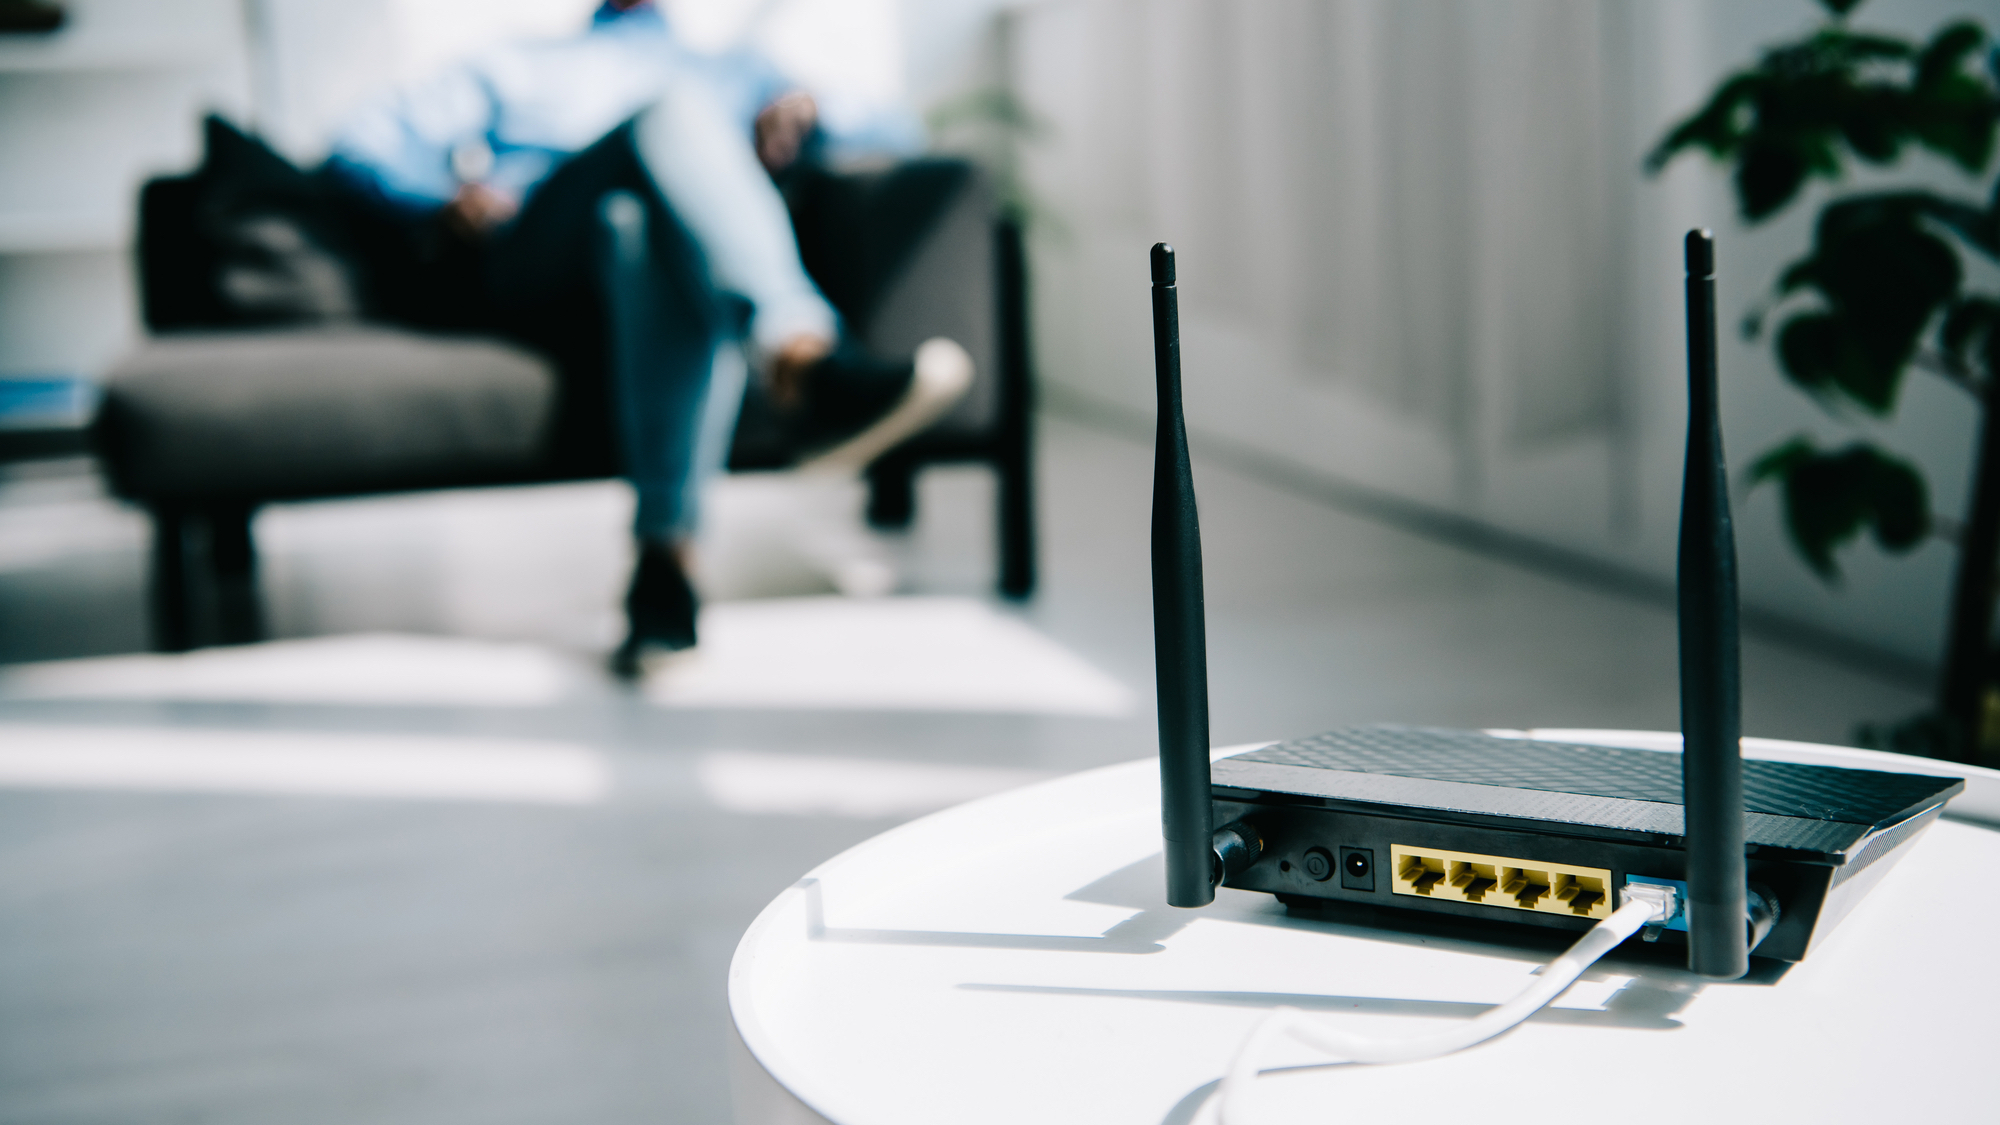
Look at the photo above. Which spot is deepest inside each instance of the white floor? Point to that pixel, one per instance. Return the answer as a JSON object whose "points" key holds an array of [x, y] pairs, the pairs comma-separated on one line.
{"points": [[419, 860]]}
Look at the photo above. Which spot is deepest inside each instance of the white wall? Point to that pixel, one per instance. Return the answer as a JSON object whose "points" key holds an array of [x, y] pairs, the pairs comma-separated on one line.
{"points": [[86, 114], [949, 47], [1418, 252]]}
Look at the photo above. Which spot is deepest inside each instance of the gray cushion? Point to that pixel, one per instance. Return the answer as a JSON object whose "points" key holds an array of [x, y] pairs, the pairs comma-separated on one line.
{"points": [[320, 412]]}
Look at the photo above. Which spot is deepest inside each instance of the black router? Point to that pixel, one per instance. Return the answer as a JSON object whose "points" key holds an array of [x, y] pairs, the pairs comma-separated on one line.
{"points": [[1753, 856]]}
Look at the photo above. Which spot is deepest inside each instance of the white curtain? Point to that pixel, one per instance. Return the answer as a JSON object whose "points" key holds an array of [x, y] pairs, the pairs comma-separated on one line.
{"points": [[1411, 200]]}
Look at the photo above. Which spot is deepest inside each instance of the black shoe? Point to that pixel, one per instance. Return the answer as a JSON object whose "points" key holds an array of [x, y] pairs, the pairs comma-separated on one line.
{"points": [[846, 393], [863, 408], [30, 15], [659, 610]]}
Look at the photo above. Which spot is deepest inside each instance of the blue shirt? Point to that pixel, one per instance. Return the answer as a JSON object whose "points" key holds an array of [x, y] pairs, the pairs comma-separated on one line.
{"points": [[508, 117]]}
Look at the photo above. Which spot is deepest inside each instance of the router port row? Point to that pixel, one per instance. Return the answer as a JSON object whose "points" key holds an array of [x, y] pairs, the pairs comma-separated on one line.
{"points": [[1489, 880]]}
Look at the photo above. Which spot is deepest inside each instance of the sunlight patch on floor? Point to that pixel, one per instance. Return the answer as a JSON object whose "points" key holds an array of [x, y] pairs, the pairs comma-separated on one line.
{"points": [[295, 763], [870, 654], [883, 654], [755, 783], [375, 669]]}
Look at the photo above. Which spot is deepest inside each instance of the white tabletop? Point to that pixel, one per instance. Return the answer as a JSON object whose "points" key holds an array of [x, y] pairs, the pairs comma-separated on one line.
{"points": [[1013, 960]]}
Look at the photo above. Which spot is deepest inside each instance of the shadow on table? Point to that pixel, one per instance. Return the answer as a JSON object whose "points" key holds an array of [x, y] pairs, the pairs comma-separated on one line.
{"points": [[1185, 1109], [1138, 886], [1141, 933], [1642, 1004]]}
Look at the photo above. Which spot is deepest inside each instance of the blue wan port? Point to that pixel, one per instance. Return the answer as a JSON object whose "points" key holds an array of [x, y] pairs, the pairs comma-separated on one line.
{"points": [[1680, 919]]}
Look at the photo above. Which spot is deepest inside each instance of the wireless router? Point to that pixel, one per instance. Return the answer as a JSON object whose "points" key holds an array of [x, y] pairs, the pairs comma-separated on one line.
{"points": [[1735, 857]]}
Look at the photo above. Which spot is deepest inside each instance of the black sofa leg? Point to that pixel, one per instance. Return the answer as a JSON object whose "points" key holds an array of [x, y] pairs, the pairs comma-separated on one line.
{"points": [[204, 583], [172, 615], [1013, 454], [892, 494], [1017, 524], [232, 555]]}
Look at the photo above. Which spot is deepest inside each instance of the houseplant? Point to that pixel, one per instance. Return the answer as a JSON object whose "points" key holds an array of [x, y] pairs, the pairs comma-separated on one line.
{"points": [[1882, 291]]}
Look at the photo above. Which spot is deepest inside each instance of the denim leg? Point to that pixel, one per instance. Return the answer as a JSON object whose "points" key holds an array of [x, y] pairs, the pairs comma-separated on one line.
{"points": [[727, 381], [685, 223], [620, 298], [706, 170], [665, 355]]}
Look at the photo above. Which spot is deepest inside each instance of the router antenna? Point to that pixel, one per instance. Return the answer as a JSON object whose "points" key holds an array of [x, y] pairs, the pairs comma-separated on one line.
{"points": [[1711, 681], [1180, 644]]}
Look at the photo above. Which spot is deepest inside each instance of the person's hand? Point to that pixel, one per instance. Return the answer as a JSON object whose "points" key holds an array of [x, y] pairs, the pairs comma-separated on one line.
{"points": [[789, 364], [782, 128], [477, 209]]}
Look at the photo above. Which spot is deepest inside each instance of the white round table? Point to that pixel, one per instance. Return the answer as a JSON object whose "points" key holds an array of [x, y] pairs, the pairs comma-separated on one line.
{"points": [[1013, 960]]}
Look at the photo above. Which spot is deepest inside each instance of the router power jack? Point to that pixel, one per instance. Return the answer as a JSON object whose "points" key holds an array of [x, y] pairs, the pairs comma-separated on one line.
{"points": [[1357, 869]]}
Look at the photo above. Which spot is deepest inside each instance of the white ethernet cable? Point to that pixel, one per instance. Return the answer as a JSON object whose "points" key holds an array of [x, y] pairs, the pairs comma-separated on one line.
{"points": [[1644, 903]]}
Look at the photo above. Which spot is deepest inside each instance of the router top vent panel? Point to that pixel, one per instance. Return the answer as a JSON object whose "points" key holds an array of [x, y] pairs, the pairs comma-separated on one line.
{"points": [[1819, 810]]}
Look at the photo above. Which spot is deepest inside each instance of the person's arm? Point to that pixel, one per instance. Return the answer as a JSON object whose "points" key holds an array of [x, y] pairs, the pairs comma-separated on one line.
{"points": [[790, 121], [791, 126], [399, 148], [851, 128]]}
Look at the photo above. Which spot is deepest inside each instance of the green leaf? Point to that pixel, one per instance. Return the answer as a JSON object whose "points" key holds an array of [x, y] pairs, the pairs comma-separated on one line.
{"points": [[1980, 228], [1875, 132], [1714, 128], [1829, 498], [1943, 58], [1778, 461], [993, 106], [1950, 109], [1883, 277], [1767, 177], [1899, 501], [1969, 324], [1808, 104], [1840, 7], [1811, 348], [1802, 274]]}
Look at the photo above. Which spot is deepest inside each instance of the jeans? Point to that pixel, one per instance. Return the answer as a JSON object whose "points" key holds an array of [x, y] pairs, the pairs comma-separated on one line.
{"points": [[669, 242]]}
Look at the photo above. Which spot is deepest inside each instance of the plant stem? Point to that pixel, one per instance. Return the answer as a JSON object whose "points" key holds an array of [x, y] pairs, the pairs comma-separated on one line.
{"points": [[1961, 695], [1938, 367]]}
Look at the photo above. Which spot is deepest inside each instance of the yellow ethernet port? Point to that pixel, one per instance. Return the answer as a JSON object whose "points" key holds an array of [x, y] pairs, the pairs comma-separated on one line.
{"points": [[1491, 880]]}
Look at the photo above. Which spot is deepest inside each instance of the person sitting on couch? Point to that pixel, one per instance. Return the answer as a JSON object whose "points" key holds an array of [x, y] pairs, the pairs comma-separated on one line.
{"points": [[500, 167]]}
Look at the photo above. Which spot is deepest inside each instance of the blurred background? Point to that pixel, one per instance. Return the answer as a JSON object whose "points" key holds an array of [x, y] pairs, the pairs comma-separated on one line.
{"points": [[416, 857]]}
